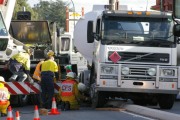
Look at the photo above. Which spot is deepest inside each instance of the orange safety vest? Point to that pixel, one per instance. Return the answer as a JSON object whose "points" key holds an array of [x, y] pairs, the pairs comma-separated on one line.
{"points": [[37, 72], [4, 96], [67, 87]]}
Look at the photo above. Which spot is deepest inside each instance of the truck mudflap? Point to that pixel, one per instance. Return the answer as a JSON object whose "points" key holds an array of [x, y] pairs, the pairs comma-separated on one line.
{"points": [[25, 88]]}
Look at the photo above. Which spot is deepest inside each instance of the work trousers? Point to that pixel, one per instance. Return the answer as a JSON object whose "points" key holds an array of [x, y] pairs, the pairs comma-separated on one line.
{"points": [[17, 71], [47, 87]]}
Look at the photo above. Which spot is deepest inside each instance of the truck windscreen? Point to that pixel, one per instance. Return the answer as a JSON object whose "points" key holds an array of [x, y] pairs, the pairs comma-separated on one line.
{"points": [[30, 32], [136, 30], [3, 30]]}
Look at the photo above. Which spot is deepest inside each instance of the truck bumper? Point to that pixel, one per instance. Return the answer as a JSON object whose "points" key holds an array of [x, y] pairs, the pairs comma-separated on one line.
{"points": [[151, 91], [142, 86]]}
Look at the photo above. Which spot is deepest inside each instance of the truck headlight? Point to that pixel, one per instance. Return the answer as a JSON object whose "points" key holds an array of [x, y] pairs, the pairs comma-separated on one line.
{"points": [[108, 70], [152, 71], [125, 70], [168, 72]]}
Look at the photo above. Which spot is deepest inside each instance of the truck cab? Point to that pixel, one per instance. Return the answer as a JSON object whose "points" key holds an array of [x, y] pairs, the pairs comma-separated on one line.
{"points": [[134, 57]]}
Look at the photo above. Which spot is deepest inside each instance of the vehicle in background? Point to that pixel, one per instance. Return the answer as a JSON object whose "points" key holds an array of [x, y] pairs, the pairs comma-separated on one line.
{"points": [[67, 50]]}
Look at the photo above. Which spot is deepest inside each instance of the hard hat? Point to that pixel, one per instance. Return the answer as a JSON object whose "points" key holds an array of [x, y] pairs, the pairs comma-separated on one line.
{"points": [[68, 67], [50, 53], [81, 87], [70, 74], [2, 79], [30, 50]]}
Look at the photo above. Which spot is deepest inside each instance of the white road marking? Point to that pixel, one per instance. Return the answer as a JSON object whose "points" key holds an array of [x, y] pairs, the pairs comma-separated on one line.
{"points": [[136, 115]]}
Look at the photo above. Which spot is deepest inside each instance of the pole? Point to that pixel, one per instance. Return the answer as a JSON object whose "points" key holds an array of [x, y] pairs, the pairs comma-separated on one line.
{"points": [[161, 5], [73, 12]]}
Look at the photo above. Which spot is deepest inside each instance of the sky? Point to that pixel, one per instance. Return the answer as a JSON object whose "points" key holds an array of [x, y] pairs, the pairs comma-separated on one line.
{"points": [[88, 4]]}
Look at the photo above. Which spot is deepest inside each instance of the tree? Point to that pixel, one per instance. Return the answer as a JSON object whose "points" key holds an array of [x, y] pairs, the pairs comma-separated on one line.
{"points": [[52, 11], [19, 7]]}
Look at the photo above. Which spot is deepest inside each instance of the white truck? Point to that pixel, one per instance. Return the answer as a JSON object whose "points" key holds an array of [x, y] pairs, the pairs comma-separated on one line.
{"points": [[67, 50], [133, 55]]}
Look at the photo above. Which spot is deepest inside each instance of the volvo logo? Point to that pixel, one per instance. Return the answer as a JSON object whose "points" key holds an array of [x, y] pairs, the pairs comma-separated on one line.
{"points": [[115, 48]]}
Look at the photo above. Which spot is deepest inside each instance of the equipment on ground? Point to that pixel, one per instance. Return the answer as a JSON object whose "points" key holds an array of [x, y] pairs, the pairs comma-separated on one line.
{"points": [[82, 87]]}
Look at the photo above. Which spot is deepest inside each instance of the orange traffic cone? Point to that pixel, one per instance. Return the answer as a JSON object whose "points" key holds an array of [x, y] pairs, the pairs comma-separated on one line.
{"points": [[36, 113], [54, 110], [17, 115], [10, 116]]}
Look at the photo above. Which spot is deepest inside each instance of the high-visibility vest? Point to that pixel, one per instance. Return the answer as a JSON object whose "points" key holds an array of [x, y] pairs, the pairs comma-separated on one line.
{"points": [[37, 72], [23, 58], [4, 95], [67, 88]]}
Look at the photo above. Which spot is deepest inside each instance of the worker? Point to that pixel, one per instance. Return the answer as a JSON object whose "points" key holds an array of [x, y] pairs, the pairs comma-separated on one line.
{"points": [[49, 70], [69, 93], [19, 65], [37, 72], [68, 68], [4, 97]]}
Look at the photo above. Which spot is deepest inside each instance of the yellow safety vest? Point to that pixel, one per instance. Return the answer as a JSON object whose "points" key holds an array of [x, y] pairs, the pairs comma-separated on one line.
{"points": [[23, 58], [49, 65], [4, 94]]}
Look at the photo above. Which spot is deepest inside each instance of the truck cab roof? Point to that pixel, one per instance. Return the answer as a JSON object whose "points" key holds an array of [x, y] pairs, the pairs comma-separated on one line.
{"points": [[151, 14]]}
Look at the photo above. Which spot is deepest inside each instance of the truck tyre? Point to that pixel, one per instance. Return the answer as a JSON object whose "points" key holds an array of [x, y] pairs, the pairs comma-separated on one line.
{"points": [[98, 99], [166, 101], [142, 102], [34, 99]]}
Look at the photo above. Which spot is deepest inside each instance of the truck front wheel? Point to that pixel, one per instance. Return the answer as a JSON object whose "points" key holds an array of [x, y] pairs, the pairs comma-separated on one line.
{"points": [[166, 101], [98, 99]]}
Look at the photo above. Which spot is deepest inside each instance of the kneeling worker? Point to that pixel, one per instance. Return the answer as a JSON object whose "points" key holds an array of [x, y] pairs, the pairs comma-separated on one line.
{"points": [[4, 97], [69, 93]]}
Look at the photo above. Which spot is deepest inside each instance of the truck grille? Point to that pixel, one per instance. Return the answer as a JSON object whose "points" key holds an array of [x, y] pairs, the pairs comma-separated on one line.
{"points": [[142, 57], [138, 73]]}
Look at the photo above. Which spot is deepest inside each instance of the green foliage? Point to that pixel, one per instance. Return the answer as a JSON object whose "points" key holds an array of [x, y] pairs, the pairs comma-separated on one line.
{"points": [[19, 7], [53, 11]]}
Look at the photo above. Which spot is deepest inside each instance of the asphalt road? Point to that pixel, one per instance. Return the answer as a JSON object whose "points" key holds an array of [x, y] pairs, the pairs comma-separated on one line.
{"points": [[132, 112], [85, 113]]}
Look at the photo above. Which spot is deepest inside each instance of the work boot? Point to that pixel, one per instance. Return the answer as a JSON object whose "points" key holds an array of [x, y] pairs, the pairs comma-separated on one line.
{"points": [[3, 114], [11, 80], [62, 105], [67, 105], [58, 104]]}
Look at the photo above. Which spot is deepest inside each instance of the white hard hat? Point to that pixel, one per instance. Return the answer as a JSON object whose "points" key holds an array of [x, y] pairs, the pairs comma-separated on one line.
{"points": [[2, 79], [81, 87], [70, 74]]}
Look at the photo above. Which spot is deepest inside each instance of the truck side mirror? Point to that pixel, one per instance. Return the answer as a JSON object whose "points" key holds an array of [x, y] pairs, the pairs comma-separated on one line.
{"points": [[176, 8], [90, 35], [75, 50], [176, 30]]}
